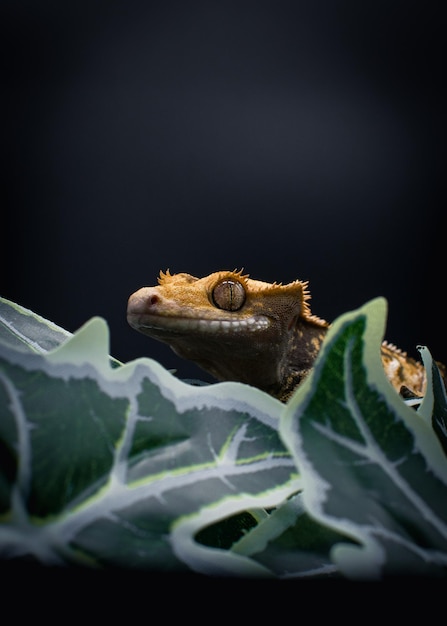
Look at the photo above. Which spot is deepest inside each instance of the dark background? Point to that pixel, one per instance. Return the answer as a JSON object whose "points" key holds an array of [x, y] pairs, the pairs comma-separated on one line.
{"points": [[293, 139]]}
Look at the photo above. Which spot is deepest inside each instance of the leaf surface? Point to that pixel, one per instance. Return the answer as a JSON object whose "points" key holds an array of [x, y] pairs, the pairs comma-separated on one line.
{"points": [[26, 331], [107, 466], [372, 468]]}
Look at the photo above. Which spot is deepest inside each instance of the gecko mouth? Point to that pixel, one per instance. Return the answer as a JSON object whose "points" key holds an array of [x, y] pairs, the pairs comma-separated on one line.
{"points": [[160, 325]]}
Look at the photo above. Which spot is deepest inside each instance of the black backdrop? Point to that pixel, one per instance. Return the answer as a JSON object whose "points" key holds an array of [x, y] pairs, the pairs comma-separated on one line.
{"points": [[293, 139]]}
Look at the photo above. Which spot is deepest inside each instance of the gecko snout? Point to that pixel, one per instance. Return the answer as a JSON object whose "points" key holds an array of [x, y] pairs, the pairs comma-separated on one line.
{"points": [[143, 301]]}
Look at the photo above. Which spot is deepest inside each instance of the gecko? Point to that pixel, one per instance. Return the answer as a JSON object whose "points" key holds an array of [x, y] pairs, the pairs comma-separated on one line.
{"points": [[240, 329]]}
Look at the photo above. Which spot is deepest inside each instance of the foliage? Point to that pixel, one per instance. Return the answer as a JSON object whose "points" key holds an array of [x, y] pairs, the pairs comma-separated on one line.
{"points": [[124, 467]]}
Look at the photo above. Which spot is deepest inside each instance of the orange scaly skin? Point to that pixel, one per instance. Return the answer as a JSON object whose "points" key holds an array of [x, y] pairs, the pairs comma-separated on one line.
{"points": [[247, 330]]}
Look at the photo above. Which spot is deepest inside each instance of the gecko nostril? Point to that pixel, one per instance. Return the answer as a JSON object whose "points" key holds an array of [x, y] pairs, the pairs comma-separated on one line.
{"points": [[153, 299]]}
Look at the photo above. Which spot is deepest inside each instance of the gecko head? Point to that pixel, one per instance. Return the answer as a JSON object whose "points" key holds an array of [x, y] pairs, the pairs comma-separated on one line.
{"points": [[233, 327]]}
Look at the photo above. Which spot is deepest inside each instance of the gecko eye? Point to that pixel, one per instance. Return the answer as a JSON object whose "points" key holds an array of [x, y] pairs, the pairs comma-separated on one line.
{"points": [[229, 295]]}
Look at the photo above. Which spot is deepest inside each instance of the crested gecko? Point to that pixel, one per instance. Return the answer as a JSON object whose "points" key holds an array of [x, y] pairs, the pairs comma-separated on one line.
{"points": [[250, 331]]}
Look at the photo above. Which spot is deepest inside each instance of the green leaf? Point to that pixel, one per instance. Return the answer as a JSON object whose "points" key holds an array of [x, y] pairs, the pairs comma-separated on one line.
{"points": [[291, 543], [123, 467], [24, 330], [434, 404], [372, 467]]}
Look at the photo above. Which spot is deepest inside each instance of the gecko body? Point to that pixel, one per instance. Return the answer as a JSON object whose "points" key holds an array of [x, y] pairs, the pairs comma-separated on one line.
{"points": [[240, 329]]}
